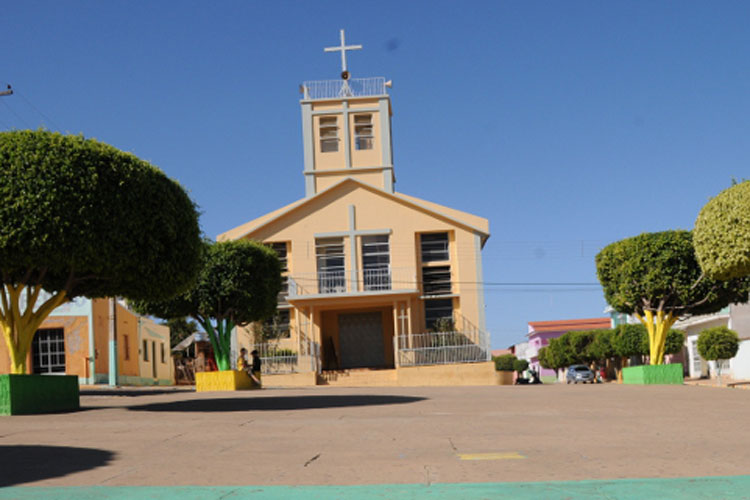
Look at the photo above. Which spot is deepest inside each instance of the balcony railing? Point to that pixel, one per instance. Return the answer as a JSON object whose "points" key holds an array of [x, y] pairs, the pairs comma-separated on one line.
{"points": [[344, 281], [336, 89]]}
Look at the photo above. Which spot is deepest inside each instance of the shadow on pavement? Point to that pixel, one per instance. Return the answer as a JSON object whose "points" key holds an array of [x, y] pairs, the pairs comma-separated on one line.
{"points": [[130, 392], [23, 464], [276, 403]]}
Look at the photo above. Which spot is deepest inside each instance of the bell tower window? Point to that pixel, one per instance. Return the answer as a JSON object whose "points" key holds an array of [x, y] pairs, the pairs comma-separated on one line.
{"points": [[329, 134], [363, 132]]}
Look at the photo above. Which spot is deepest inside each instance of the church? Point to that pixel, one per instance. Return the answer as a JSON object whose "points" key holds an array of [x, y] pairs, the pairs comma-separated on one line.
{"points": [[375, 280]]}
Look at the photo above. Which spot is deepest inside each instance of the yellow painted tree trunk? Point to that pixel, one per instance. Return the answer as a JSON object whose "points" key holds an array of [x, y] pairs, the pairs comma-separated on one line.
{"points": [[657, 326], [20, 326]]}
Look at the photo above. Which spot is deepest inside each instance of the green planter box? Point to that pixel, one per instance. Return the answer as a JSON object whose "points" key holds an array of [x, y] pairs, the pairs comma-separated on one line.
{"points": [[653, 374], [29, 394]]}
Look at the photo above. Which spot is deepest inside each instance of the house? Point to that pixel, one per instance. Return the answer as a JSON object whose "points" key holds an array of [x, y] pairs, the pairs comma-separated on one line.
{"points": [[736, 317], [540, 333], [373, 278], [74, 340]]}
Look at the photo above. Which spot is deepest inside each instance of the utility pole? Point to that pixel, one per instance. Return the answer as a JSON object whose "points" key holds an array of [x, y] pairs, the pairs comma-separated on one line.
{"points": [[113, 342], [8, 91]]}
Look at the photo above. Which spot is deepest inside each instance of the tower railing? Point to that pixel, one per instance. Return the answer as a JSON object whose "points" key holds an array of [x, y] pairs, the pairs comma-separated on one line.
{"points": [[336, 89]]}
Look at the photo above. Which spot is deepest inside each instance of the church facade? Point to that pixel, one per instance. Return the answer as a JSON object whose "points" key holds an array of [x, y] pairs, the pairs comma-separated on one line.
{"points": [[374, 278]]}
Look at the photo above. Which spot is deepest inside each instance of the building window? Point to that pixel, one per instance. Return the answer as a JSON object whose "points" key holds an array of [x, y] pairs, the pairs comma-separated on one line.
{"points": [[145, 350], [434, 247], [277, 326], [329, 134], [281, 252], [163, 353], [376, 262], [329, 253], [363, 131], [125, 348], [437, 311], [48, 351], [436, 280]]}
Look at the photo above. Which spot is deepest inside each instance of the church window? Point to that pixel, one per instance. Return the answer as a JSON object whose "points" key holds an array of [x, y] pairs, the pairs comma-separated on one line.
{"points": [[434, 247], [48, 351], [277, 326], [436, 280], [329, 254], [363, 131], [329, 134], [376, 262], [280, 249], [436, 310]]}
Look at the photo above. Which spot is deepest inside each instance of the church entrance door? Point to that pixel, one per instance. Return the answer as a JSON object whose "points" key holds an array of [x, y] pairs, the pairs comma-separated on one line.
{"points": [[361, 340]]}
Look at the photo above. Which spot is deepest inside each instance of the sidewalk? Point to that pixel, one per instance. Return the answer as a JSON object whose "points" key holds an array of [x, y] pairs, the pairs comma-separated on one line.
{"points": [[703, 488]]}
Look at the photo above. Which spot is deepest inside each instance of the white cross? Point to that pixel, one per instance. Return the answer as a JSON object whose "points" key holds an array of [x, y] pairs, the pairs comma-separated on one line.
{"points": [[342, 48]]}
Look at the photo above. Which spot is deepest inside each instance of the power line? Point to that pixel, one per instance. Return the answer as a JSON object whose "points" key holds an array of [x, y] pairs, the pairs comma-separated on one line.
{"points": [[49, 120], [25, 124]]}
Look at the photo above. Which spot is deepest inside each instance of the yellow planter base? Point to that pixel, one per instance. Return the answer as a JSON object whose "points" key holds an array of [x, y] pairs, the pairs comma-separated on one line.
{"points": [[227, 380]]}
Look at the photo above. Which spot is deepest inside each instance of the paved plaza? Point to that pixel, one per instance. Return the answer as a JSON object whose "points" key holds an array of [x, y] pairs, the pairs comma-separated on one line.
{"points": [[390, 442]]}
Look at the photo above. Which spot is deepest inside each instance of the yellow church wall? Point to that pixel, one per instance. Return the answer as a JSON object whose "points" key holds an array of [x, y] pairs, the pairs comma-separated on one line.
{"points": [[329, 212], [374, 178]]}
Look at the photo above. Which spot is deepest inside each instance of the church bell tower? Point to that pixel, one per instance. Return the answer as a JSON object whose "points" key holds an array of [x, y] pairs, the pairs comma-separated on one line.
{"points": [[346, 129]]}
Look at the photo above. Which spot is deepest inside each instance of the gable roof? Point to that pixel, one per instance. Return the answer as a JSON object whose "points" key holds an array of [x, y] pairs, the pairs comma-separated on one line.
{"points": [[568, 325], [469, 221]]}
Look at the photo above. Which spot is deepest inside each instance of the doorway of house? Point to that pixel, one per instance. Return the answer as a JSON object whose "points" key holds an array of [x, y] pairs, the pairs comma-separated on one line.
{"points": [[361, 340]]}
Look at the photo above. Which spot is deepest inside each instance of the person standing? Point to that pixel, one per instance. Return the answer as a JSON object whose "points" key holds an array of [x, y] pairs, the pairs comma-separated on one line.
{"points": [[255, 372]]}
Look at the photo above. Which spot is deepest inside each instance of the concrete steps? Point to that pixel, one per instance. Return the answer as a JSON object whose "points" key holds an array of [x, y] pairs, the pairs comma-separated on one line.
{"points": [[359, 377]]}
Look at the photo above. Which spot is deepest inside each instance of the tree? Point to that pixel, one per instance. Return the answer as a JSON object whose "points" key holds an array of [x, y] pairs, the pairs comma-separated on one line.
{"points": [[556, 355], [238, 283], [504, 363], [180, 329], [81, 218], [656, 277], [722, 234], [718, 343], [579, 342], [600, 349]]}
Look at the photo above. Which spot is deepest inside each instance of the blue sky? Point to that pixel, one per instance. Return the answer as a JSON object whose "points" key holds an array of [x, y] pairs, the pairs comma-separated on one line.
{"points": [[568, 125]]}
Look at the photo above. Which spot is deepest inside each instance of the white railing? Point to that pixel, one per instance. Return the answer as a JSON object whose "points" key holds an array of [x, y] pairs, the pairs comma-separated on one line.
{"points": [[439, 348], [275, 359], [336, 89], [343, 281]]}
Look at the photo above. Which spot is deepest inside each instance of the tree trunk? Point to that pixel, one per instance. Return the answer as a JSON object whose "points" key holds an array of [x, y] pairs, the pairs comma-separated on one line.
{"points": [[19, 326], [657, 326]]}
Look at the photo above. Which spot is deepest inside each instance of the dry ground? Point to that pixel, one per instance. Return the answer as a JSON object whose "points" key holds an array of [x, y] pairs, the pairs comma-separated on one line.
{"points": [[381, 435]]}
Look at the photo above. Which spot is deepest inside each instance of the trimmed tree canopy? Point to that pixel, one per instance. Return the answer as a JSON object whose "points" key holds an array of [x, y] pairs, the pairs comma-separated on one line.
{"points": [[238, 283], [79, 217], [722, 234], [656, 277], [718, 343], [504, 363]]}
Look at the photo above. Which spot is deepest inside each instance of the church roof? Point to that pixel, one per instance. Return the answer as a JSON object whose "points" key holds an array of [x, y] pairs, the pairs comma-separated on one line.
{"points": [[474, 223]]}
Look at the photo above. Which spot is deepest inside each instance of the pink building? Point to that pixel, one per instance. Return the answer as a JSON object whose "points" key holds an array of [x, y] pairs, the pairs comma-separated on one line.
{"points": [[540, 333]]}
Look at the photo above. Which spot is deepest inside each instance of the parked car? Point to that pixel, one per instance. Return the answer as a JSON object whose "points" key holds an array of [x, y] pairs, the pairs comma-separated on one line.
{"points": [[579, 373]]}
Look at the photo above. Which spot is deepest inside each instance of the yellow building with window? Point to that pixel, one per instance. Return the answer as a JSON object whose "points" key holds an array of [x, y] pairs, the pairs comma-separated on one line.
{"points": [[374, 279], [75, 340]]}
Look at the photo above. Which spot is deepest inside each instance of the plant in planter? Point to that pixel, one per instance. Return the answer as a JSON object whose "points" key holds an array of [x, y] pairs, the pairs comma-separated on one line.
{"points": [[73, 222], [717, 344]]}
